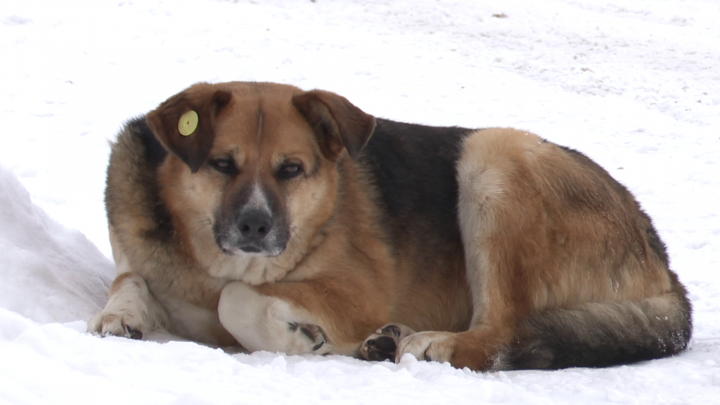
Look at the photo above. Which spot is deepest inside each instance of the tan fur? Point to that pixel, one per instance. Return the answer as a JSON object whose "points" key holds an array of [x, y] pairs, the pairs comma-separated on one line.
{"points": [[191, 268], [539, 231], [528, 252]]}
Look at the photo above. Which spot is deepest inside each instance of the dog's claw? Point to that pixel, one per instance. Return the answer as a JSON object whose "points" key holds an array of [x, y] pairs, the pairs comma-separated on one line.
{"points": [[312, 332]]}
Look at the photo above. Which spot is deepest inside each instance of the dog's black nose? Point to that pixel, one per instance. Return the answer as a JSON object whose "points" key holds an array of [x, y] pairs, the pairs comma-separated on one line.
{"points": [[255, 225]]}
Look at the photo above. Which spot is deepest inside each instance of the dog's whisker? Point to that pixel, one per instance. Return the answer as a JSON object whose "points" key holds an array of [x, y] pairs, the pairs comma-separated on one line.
{"points": [[200, 224]]}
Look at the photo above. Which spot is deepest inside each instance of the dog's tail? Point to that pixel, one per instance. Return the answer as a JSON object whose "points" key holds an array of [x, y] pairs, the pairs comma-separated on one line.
{"points": [[602, 334]]}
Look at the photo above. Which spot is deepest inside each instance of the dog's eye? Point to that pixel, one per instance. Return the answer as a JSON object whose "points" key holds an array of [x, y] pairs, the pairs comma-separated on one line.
{"points": [[290, 170], [226, 166]]}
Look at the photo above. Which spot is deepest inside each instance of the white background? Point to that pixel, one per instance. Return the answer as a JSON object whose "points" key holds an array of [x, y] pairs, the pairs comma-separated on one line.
{"points": [[633, 84]]}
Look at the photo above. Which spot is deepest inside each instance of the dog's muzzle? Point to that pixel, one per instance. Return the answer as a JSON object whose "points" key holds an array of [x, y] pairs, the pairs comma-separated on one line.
{"points": [[254, 231], [255, 226]]}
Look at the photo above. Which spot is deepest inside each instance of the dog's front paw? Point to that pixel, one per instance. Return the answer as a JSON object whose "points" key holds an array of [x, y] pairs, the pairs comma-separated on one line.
{"points": [[382, 344], [131, 311], [261, 322], [119, 323]]}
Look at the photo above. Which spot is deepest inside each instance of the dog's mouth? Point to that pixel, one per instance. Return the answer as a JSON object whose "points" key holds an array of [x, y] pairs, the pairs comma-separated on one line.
{"points": [[250, 249], [232, 243]]}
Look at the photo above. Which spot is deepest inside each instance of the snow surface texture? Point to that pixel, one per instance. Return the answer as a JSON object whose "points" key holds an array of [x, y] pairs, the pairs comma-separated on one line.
{"points": [[633, 84]]}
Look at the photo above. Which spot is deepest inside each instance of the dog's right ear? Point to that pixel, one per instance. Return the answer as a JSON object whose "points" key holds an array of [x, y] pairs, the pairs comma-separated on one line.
{"points": [[185, 123]]}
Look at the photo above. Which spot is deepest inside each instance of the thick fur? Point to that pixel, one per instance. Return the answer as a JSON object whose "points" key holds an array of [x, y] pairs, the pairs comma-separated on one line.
{"points": [[292, 221]]}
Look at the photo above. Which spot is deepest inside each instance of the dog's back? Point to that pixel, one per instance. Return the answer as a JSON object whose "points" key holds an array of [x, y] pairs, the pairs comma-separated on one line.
{"points": [[564, 267]]}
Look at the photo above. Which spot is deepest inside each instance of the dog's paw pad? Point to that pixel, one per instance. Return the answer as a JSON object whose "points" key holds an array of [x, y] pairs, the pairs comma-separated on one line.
{"points": [[133, 333], [381, 348], [382, 344]]}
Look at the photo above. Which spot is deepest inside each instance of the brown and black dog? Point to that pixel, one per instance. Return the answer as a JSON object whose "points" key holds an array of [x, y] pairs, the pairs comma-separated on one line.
{"points": [[292, 221]]}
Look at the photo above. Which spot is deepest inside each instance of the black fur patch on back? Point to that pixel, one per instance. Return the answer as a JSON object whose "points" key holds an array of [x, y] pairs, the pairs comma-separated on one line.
{"points": [[134, 162], [413, 168], [155, 153]]}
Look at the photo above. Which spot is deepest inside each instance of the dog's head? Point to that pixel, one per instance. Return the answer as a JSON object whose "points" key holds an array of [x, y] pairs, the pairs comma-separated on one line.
{"points": [[254, 163]]}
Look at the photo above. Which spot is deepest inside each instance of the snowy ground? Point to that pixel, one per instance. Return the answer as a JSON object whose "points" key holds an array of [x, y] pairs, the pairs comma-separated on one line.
{"points": [[634, 84]]}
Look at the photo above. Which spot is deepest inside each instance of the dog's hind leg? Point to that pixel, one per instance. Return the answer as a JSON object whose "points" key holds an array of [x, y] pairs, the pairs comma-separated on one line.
{"points": [[499, 214], [564, 267], [131, 310]]}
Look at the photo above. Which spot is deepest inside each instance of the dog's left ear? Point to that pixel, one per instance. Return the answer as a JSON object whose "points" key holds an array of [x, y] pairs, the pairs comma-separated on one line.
{"points": [[336, 121], [185, 123]]}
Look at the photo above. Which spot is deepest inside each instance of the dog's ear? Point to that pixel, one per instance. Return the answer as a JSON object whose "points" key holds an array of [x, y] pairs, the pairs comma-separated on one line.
{"points": [[197, 107], [336, 121]]}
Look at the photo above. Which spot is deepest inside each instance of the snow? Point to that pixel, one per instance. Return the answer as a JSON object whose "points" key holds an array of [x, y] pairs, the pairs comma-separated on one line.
{"points": [[633, 84], [57, 269]]}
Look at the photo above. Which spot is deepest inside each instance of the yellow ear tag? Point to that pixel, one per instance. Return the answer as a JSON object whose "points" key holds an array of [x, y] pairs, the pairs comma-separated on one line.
{"points": [[188, 123]]}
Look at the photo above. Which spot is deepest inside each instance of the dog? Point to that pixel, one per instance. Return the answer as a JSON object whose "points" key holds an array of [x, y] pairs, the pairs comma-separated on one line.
{"points": [[291, 221]]}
